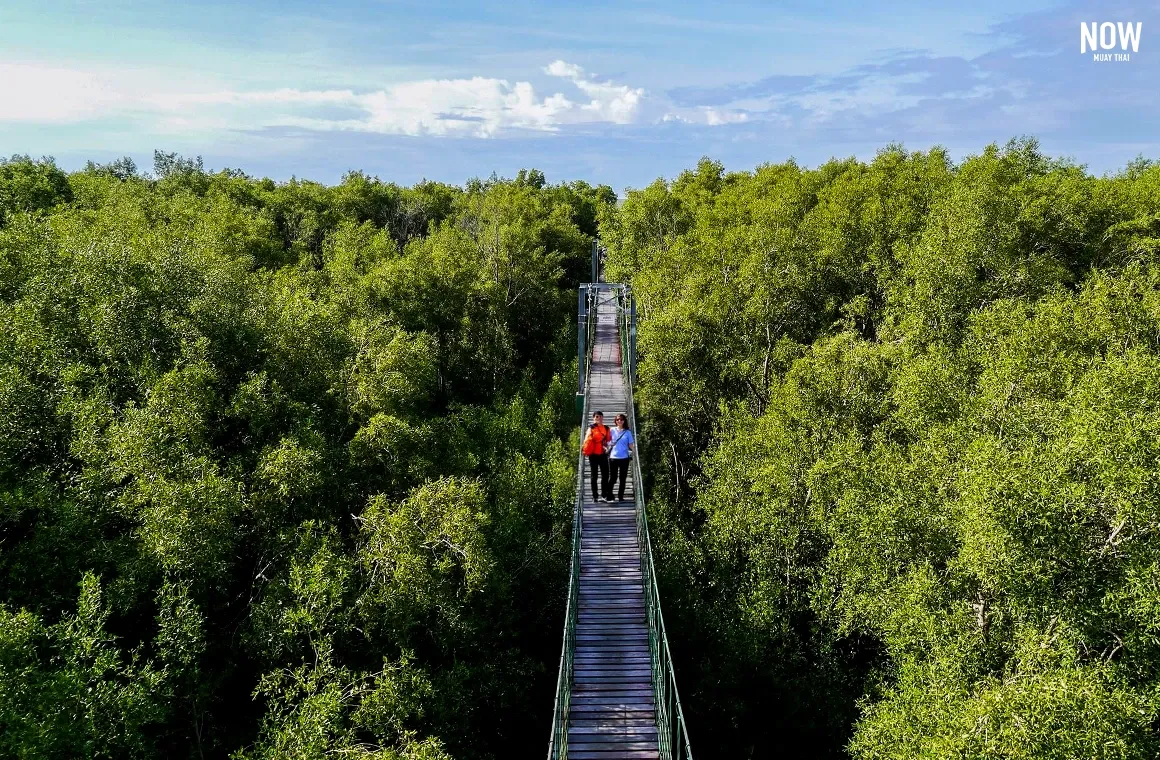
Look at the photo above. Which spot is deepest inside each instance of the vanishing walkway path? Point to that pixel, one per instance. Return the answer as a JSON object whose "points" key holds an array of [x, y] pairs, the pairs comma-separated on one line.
{"points": [[616, 695], [612, 711]]}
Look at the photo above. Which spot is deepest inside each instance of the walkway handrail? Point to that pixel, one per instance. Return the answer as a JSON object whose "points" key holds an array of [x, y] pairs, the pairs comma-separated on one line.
{"points": [[672, 733], [558, 744]]}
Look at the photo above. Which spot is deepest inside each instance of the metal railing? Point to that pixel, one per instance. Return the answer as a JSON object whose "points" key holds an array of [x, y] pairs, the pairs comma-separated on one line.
{"points": [[672, 733], [558, 744]]}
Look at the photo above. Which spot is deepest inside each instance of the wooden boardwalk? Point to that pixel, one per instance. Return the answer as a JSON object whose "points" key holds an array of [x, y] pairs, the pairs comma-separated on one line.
{"points": [[612, 712]]}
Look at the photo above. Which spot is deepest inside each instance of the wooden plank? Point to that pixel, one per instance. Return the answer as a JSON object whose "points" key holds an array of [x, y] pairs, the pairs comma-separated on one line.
{"points": [[597, 642], [613, 660], [615, 631], [586, 633], [590, 694], [611, 586], [644, 673], [624, 677], [613, 741], [612, 734], [589, 665], [613, 725], [623, 746]]}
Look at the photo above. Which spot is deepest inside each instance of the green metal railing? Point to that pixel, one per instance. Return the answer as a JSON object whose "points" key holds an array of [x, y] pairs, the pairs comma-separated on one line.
{"points": [[672, 733], [558, 745]]}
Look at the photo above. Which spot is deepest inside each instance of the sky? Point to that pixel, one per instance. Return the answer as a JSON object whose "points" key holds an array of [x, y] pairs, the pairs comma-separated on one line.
{"points": [[619, 93]]}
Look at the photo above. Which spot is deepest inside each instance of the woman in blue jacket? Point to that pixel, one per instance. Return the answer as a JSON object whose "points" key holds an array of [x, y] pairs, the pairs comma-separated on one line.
{"points": [[620, 454]]}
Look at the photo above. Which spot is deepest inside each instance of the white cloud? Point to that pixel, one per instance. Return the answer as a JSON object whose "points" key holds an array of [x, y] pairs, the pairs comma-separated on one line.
{"points": [[705, 116], [479, 106], [183, 104], [40, 94], [563, 69], [476, 106], [614, 103], [715, 117]]}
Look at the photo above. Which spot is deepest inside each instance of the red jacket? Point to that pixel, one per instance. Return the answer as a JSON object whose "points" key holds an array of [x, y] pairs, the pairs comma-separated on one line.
{"points": [[597, 439]]}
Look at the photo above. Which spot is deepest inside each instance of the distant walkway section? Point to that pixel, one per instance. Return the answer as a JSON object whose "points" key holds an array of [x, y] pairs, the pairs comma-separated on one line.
{"points": [[612, 714]]}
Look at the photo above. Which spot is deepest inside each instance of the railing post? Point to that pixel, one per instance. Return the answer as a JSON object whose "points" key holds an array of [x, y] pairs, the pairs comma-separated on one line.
{"points": [[632, 337], [581, 356]]}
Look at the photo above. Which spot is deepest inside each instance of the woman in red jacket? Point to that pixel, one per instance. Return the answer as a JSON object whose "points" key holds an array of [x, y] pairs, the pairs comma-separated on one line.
{"points": [[596, 444]]}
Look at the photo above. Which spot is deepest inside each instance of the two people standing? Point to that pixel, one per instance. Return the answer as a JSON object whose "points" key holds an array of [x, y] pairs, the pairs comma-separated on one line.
{"points": [[605, 447]]}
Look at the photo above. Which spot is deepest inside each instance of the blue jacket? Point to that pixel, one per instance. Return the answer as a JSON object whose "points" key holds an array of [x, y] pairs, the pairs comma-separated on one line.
{"points": [[620, 441]]}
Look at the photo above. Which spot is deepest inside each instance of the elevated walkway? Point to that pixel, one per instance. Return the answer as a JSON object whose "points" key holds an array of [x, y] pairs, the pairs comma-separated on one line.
{"points": [[612, 710], [616, 694]]}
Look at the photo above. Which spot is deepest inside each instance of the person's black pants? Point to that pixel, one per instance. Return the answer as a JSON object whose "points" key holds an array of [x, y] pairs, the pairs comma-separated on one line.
{"points": [[598, 474], [619, 469]]}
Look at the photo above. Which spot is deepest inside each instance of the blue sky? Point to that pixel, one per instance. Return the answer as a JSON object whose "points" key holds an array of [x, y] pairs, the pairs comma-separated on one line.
{"points": [[620, 93]]}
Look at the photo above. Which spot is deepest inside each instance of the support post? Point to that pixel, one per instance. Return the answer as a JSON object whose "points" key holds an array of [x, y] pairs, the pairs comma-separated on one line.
{"points": [[595, 261], [632, 337], [581, 355]]}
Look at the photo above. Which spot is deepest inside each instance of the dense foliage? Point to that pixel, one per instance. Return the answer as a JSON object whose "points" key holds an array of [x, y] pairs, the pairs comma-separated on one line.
{"points": [[903, 425], [284, 468]]}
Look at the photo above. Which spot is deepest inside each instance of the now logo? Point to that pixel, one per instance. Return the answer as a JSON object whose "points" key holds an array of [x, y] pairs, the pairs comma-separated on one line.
{"points": [[1106, 36]]}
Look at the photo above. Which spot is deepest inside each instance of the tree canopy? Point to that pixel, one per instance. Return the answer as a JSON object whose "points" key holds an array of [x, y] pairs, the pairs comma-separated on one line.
{"points": [[902, 423], [286, 469], [283, 467]]}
